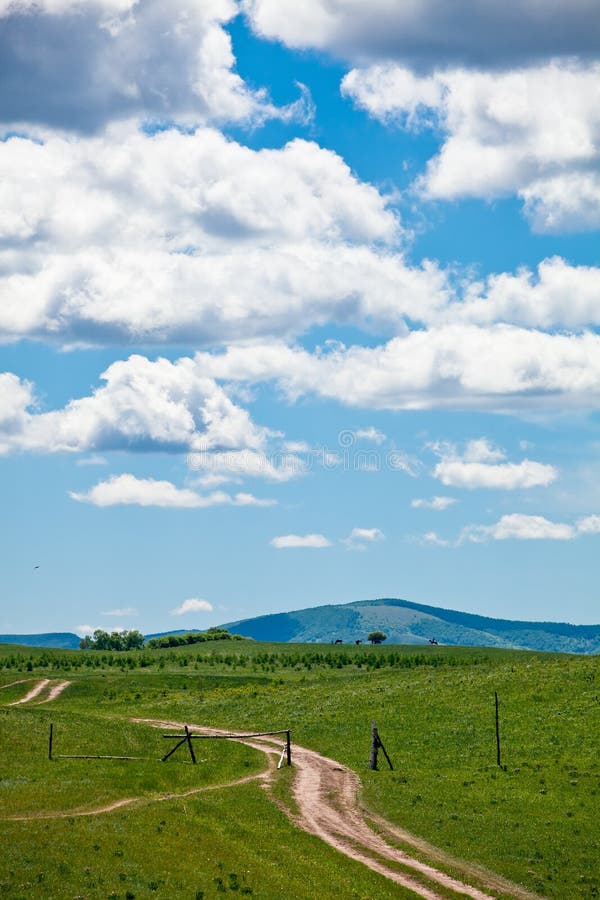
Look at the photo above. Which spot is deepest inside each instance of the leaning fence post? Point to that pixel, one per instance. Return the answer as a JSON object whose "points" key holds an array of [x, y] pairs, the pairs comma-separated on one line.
{"points": [[288, 747], [189, 740], [374, 746], [50, 741]]}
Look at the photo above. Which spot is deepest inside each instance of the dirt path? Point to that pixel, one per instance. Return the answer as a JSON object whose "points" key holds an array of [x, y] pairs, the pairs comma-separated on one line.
{"points": [[327, 798], [12, 683], [129, 801], [326, 794], [33, 693], [55, 691]]}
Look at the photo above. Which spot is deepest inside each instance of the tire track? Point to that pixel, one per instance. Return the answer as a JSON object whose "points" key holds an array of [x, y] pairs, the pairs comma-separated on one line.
{"points": [[35, 691], [326, 794]]}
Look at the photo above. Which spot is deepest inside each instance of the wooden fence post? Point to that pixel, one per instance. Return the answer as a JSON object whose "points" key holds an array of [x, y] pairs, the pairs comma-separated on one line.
{"points": [[497, 731], [189, 740], [50, 741], [374, 746], [288, 747]]}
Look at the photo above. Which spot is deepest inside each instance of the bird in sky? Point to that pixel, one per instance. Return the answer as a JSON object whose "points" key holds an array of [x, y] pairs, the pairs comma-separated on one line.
{"points": [[36, 567]]}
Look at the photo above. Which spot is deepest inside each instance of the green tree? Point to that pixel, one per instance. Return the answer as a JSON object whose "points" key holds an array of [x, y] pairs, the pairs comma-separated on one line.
{"points": [[377, 637]]}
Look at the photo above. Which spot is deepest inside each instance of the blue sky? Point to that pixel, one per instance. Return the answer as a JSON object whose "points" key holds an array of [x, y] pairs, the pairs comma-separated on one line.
{"points": [[298, 305]]}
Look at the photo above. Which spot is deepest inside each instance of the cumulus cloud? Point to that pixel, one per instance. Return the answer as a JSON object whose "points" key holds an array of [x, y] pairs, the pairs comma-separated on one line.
{"points": [[75, 65], [191, 237], [483, 466], [521, 527], [127, 490], [500, 134], [445, 367], [142, 405], [310, 541], [589, 525], [555, 295], [426, 32], [193, 605], [436, 503]]}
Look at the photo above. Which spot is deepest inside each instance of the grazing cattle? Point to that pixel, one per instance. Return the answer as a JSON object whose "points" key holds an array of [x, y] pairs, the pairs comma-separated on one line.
{"points": [[432, 641], [339, 641], [358, 641]]}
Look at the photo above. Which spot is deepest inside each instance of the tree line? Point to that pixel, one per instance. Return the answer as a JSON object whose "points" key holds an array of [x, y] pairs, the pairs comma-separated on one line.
{"points": [[135, 640]]}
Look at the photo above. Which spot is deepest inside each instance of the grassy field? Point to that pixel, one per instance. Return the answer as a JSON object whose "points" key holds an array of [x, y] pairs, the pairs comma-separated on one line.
{"points": [[533, 820]]}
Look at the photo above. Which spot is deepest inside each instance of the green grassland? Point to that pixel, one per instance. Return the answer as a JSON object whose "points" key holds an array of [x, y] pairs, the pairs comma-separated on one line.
{"points": [[533, 820]]}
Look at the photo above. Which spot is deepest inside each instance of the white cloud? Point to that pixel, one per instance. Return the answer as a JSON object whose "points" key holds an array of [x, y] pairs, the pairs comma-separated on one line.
{"points": [[480, 467], [142, 405], [360, 538], [84, 630], [311, 541], [94, 460], [434, 540], [520, 527], [75, 64], [446, 367], [191, 237], [297, 447], [129, 490], [436, 503], [193, 605], [127, 611], [370, 434], [277, 466], [589, 525], [426, 32], [557, 294], [501, 134]]}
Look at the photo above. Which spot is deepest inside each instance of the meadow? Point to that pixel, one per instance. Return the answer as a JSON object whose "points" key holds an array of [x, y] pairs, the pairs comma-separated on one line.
{"points": [[533, 820]]}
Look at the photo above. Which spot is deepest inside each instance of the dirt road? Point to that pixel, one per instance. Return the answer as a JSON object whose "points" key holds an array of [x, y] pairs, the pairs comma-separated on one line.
{"points": [[35, 691], [38, 689], [328, 806]]}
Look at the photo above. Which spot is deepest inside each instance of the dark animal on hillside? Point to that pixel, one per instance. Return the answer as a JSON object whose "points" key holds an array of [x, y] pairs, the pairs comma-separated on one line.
{"points": [[358, 641], [432, 641], [339, 641]]}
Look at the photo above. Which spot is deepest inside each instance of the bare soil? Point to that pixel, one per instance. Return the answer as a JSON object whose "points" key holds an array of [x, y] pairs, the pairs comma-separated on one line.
{"points": [[55, 691], [35, 691], [38, 689], [326, 795], [328, 806]]}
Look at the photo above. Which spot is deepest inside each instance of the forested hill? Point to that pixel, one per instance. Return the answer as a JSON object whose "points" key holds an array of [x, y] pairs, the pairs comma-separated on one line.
{"points": [[62, 640], [414, 623], [402, 621]]}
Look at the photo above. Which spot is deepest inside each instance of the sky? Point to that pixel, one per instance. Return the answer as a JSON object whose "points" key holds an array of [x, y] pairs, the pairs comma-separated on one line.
{"points": [[299, 304]]}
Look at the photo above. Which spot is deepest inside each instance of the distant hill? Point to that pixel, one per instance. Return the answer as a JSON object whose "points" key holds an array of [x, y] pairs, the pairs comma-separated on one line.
{"points": [[414, 623], [404, 622], [66, 640], [62, 640]]}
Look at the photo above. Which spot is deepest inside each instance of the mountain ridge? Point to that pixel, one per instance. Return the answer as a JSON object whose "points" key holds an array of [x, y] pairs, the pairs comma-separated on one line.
{"points": [[407, 622], [404, 622]]}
